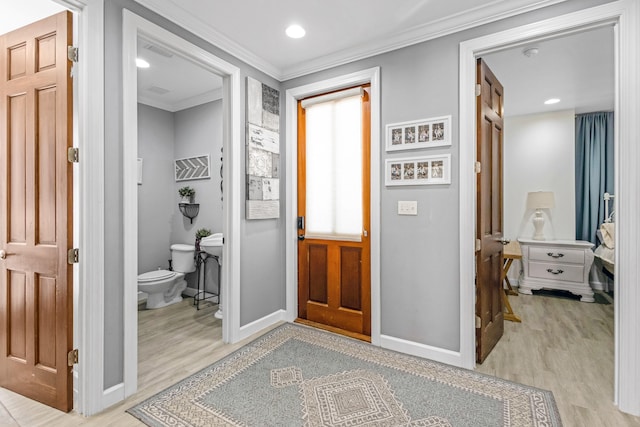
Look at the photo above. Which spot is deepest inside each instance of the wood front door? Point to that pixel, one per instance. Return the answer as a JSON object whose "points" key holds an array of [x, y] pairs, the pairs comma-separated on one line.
{"points": [[334, 273], [489, 293], [36, 299]]}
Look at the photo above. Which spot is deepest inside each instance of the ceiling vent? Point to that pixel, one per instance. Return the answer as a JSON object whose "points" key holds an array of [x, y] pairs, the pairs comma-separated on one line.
{"points": [[158, 50], [158, 90]]}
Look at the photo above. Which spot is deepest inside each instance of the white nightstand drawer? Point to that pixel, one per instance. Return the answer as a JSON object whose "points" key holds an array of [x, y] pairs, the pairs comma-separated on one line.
{"points": [[562, 255], [561, 272]]}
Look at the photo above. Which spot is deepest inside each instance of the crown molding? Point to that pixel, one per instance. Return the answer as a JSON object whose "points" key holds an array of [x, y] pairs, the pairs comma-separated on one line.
{"points": [[181, 17], [485, 14], [494, 11]]}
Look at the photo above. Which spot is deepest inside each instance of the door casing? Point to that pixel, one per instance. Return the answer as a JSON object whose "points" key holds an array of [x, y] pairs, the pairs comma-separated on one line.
{"points": [[625, 15], [371, 76], [133, 25]]}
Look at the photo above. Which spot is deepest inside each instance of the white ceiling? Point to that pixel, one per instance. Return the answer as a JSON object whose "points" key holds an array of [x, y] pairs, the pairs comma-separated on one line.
{"points": [[577, 69]]}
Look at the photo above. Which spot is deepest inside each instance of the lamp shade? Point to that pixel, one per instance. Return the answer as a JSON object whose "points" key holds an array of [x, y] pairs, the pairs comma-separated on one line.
{"points": [[540, 200]]}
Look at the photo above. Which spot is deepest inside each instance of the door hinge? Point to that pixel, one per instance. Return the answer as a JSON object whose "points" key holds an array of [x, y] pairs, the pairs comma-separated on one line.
{"points": [[73, 255], [477, 167], [72, 53], [73, 155], [478, 89], [478, 322], [72, 357], [478, 245]]}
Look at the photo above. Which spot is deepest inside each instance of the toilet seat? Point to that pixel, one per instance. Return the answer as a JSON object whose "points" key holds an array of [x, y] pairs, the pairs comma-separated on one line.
{"points": [[155, 275]]}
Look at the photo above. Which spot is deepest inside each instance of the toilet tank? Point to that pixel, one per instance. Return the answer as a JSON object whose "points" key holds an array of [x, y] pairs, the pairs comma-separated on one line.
{"points": [[182, 259]]}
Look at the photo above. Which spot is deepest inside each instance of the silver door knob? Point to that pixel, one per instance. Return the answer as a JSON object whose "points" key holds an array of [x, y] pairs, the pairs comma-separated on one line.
{"points": [[3, 254], [505, 242]]}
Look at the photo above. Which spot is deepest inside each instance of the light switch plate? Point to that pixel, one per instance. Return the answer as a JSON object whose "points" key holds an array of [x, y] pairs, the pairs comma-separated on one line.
{"points": [[407, 207]]}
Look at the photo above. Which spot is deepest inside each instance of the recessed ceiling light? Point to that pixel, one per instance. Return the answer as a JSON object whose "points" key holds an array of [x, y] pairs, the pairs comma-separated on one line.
{"points": [[295, 31], [551, 101], [141, 63]]}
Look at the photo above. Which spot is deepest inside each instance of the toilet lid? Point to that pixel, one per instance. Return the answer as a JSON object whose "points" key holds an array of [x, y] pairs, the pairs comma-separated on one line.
{"points": [[155, 275]]}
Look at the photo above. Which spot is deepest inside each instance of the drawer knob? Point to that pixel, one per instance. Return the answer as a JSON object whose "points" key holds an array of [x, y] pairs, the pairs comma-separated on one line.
{"points": [[558, 271], [552, 255]]}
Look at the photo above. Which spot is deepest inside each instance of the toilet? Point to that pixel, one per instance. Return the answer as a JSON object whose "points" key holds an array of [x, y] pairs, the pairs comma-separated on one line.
{"points": [[165, 287]]}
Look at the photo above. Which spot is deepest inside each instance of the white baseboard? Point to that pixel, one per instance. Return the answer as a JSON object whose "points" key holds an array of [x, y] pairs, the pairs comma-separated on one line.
{"points": [[113, 395], [260, 324], [421, 350]]}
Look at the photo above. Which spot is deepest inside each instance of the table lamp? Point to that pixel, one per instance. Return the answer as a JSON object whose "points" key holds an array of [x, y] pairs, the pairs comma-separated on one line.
{"points": [[539, 200]]}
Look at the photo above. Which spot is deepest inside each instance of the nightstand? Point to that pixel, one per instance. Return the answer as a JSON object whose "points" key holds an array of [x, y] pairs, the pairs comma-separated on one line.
{"points": [[557, 264]]}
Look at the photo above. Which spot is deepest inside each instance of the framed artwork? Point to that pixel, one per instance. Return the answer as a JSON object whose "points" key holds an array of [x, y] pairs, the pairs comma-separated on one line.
{"points": [[192, 168], [426, 133], [263, 151], [423, 170]]}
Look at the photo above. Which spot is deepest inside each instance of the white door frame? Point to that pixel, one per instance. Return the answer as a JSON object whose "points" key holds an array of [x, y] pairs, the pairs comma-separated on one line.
{"points": [[88, 287], [625, 14], [134, 25], [372, 76]]}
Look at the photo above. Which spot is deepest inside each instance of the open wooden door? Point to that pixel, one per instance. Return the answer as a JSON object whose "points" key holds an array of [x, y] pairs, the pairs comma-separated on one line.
{"points": [[36, 289], [489, 293], [334, 273]]}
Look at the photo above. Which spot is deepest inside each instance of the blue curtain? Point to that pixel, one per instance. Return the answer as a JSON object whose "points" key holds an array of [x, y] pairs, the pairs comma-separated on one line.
{"points": [[594, 171]]}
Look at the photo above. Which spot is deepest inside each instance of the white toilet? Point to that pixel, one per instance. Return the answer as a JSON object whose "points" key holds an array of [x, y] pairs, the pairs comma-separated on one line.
{"points": [[165, 287]]}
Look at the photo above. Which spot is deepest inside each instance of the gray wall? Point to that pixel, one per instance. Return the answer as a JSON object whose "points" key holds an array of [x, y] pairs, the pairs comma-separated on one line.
{"points": [[420, 254], [262, 265], [198, 131], [156, 204], [163, 137], [419, 264]]}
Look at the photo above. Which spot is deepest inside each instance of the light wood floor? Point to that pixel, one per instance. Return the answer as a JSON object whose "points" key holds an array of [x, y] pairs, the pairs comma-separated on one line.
{"points": [[563, 346], [567, 347]]}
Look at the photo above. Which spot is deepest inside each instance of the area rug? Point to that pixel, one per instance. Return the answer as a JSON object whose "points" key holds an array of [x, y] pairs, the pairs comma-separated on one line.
{"points": [[300, 376]]}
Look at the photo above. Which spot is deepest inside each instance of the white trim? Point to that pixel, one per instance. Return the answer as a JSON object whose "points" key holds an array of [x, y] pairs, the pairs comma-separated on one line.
{"points": [[484, 14], [89, 284], [113, 395], [203, 98], [421, 350], [371, 75], [133, 25], [627, 296], [262, 323], [181, 17]]}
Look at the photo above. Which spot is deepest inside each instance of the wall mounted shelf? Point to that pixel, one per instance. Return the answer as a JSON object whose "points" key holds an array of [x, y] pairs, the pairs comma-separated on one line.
{"points": [[190, 210]]}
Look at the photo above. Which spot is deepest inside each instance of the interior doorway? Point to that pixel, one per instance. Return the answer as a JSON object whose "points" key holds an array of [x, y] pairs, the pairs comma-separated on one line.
{"points": [[135, 27], [625, 102]]}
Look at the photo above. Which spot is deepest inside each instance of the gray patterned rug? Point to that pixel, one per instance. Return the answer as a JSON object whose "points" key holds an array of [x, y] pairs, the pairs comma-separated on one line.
{"points": [[300, 376]]}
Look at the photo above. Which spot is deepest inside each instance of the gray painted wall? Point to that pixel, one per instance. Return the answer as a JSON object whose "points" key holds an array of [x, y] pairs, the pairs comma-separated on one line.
{"points": [[420, 254], [156, 205], [198, 131], [262, 265], [163, 137], [419, 264]]}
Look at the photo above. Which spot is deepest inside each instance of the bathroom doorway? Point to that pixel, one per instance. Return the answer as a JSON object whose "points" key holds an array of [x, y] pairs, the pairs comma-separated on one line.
{"points": [[208, 115]]}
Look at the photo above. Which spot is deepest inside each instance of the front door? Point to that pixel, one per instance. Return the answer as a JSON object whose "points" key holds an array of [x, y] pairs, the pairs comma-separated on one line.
{"points": [[334, 274], [36, 299], [489, 293]]}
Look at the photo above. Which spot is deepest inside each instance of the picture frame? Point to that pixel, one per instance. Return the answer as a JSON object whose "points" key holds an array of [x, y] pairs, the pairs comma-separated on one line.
{"points": [[419, 170], [424, 133], [189, 168]]}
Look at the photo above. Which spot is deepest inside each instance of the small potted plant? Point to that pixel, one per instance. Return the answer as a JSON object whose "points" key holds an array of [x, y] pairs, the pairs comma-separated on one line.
{"points": [[186, 194], [203, 232]]}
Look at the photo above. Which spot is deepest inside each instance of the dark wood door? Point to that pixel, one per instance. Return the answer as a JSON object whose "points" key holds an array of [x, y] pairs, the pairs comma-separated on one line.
{"points": [[36, 299], [334, 274], [489, 293]]}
